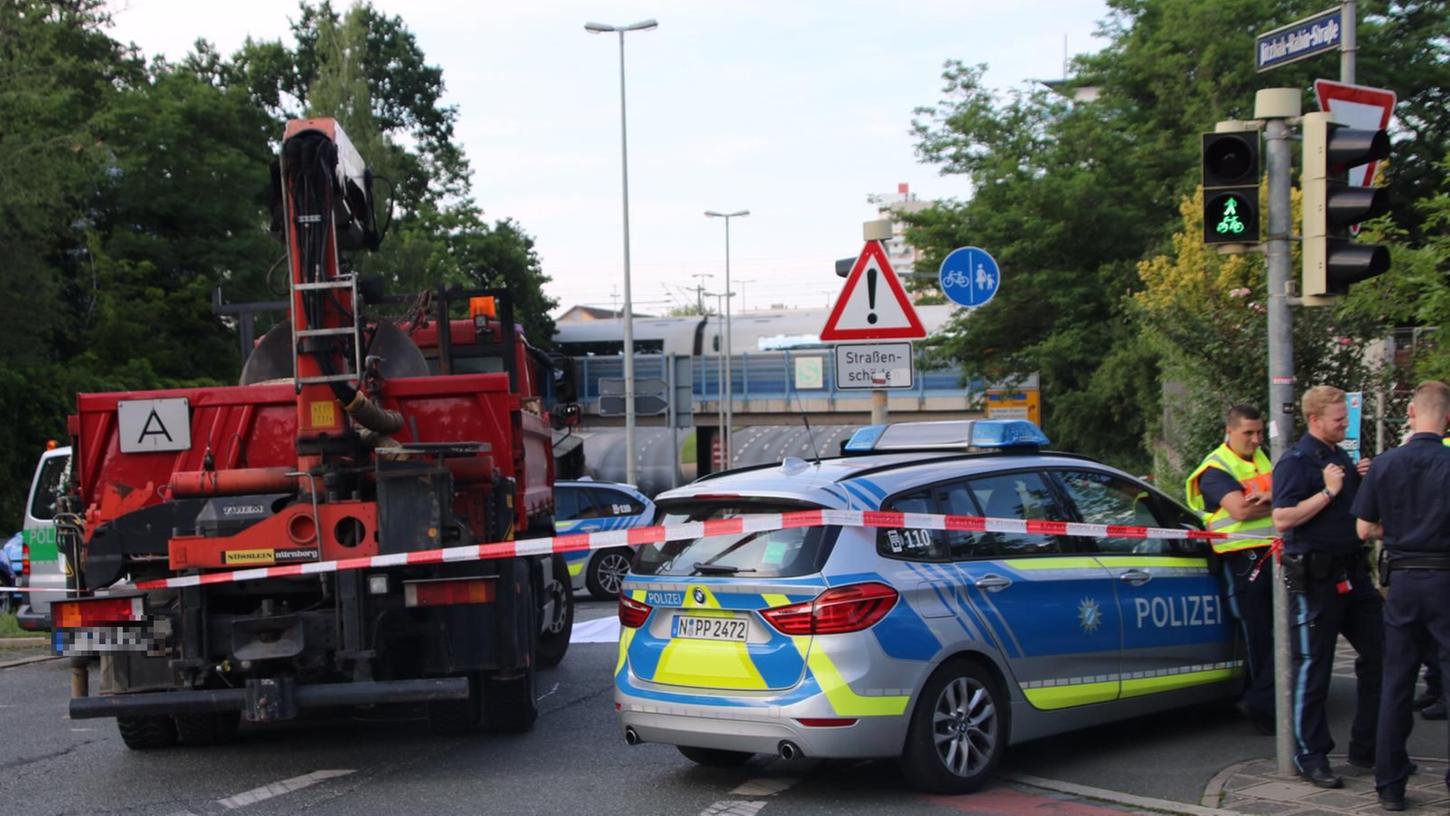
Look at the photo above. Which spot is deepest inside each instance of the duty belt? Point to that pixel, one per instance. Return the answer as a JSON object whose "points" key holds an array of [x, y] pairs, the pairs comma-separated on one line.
{"points": [[1419, 561]]}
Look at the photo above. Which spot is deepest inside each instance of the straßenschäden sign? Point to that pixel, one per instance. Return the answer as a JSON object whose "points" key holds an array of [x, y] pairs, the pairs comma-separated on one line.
{"points": [[1295, 41]]}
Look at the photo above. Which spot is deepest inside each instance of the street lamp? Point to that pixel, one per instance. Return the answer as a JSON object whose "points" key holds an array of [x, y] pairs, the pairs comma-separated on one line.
{"points": [[729, 351], [631, 466]]}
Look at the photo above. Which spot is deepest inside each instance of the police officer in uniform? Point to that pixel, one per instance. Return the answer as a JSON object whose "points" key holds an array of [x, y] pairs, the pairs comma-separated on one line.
{"points": [[1326, 568], [1231, 489], [1403, 502]]}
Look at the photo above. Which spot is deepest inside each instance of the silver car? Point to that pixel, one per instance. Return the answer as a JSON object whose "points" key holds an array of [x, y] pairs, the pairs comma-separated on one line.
{"points": [[938, 647]]}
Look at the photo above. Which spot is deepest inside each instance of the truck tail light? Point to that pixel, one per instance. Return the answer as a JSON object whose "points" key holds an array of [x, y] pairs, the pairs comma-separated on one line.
{"points": [[836, 611], [448, 591], [633, 613], [25, 559], [95, 611]]}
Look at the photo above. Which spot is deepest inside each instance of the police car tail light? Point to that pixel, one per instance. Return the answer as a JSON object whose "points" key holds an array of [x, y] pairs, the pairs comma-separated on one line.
{"points": [[836, 611], [633, 613], [25, 559], [93, 611]]}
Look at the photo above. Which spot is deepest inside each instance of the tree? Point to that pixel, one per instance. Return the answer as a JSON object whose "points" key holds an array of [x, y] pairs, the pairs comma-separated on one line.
{"points": [[1070, 195]]}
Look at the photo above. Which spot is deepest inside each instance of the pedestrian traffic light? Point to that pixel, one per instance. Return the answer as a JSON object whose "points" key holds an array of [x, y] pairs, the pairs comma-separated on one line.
{"points": [[1231, 187], [1332, 260]]}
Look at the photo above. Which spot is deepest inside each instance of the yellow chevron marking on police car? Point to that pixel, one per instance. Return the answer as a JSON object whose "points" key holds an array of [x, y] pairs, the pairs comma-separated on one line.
{"points": [[1051, 563], [577, 567], [708, 663], [774, 600], [1071, 695], [1152, 561], [843, 699], [1154, 685]]}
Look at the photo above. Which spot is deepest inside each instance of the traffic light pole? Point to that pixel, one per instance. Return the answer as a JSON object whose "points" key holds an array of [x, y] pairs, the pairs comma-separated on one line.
{"points": [[1275, 106]]}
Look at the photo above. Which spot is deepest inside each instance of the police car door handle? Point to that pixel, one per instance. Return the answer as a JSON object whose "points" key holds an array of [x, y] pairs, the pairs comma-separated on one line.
{"points": [[1135, 577], [992, 583]]}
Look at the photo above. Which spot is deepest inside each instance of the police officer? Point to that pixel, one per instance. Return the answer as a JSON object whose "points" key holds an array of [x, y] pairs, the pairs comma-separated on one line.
{"points": [[1231, 489], [1331, 593], [1403, 502]]}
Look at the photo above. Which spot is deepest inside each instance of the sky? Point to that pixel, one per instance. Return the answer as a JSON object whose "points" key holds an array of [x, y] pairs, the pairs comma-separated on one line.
{"points": [[795, 111]]}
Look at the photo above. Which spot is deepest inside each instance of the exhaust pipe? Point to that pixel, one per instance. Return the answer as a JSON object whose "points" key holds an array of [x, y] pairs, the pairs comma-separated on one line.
{"points": [[789, 750], [631, 737]]}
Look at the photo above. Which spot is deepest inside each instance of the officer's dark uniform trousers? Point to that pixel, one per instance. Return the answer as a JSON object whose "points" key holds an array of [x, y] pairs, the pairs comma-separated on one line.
{"points": [[1417, 614], [1321, 614], [1406, 491], [1251, 600], [1332, 596]]}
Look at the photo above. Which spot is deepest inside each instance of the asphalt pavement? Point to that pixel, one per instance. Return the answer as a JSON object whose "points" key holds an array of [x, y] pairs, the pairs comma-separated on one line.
{"points": [[575, 761]]}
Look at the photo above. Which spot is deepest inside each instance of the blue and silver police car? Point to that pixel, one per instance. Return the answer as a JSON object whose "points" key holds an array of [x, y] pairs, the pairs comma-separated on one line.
{"points": [[587, 506], [938, 647]]}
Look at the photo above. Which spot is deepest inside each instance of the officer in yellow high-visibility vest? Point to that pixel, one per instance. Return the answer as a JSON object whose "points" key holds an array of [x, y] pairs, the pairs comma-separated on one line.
{"points": [[1232, 490]]}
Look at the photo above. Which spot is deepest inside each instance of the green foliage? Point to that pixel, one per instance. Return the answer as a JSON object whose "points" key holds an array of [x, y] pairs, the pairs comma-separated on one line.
{"points": [[130, 191], [1069, 196]]}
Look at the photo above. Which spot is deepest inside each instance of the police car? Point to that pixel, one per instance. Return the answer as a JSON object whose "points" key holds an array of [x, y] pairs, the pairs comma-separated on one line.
{"points": [[938, 647], [587, 506]]}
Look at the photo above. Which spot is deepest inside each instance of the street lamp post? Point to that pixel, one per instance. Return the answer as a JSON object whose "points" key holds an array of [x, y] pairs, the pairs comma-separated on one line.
{"points": [[631, 466], [729, 350]]}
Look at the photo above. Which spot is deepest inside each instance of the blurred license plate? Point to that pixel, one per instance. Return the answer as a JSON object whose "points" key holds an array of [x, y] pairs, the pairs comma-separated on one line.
{"points": [[97, 640], [710, 628]]}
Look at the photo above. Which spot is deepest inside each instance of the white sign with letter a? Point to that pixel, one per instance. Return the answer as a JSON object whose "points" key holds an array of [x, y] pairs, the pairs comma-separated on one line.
{"points": [[152, 425]]}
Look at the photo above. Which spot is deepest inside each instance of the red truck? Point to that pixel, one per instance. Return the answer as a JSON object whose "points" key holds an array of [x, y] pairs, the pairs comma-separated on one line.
{"points": [[350, 436]]}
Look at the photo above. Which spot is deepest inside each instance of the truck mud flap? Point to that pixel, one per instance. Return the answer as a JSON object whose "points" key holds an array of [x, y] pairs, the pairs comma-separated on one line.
{"points": [[313, 696]]}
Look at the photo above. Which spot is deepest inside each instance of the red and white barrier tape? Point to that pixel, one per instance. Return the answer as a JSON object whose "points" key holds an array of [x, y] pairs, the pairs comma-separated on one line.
{"points": [[761, 523]]}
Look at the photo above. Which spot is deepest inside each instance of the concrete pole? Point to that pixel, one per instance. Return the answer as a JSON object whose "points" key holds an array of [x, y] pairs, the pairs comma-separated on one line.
{"points": [[1276, 105], [878, 407]]}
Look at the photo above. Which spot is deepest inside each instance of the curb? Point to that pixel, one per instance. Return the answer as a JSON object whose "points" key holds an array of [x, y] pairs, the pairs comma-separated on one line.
{"points": [[27, 661], [1147, 803], [24, 641]]}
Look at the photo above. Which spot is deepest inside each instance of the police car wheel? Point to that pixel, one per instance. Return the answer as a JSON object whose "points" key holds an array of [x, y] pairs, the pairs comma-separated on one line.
{"points": [[715, 757], [146, 733], [605, 574], [958, 731]]}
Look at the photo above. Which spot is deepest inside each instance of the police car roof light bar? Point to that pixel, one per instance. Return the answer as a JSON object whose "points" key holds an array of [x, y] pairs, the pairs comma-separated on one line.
{"points": [[995, 434]]}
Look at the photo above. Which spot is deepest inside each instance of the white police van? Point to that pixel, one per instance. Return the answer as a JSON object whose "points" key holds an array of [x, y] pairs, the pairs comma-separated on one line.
{"points": [[44, 566], [940, 647]]}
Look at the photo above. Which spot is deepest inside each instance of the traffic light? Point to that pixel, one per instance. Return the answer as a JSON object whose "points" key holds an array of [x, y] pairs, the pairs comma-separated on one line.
{"points": [[1231, 187], [1332, 260]]}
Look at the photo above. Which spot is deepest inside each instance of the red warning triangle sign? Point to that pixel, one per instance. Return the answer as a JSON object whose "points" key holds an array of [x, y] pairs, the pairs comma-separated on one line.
{"points": [[873, 305]]}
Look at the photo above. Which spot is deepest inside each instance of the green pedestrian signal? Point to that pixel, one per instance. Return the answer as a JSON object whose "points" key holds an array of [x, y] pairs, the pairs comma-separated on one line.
{"points": [[1231, 187]]}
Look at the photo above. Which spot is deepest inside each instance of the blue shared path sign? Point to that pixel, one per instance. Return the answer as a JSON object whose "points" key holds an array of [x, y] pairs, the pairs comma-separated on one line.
{"points": [[969, 276]]}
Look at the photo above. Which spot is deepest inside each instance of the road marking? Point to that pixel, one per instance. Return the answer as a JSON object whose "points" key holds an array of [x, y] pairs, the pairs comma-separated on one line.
{"points": [[729, 808], [1115, 797], [275, 789], [766, 786], [547, 693]]}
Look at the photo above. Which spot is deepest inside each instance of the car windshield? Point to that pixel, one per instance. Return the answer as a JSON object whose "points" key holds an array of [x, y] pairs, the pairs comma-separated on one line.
{"points": [[776, 554]]}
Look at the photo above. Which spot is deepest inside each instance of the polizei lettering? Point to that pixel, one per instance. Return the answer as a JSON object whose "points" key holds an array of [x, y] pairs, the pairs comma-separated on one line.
{"points": [[1182, 610]]}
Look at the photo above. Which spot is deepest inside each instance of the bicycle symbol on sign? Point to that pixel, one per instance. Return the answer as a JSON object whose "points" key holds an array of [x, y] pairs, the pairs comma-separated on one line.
{"points": [[956, 278]]}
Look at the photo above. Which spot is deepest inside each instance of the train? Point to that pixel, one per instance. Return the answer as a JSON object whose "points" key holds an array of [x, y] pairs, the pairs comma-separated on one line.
{"points": [[696, 335]]}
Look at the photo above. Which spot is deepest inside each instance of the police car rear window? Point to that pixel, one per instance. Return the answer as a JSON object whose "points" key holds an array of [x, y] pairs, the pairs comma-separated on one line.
{"points": [[776, 554]]}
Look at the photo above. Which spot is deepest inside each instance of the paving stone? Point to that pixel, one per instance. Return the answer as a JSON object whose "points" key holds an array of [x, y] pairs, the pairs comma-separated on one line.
{"points": [[1278, 791]]}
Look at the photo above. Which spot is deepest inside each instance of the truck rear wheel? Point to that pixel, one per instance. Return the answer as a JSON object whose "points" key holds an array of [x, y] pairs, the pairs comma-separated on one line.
{"points": [[208, 728], [555, 629], [454, 717], [147, 733], [508, 703]]}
